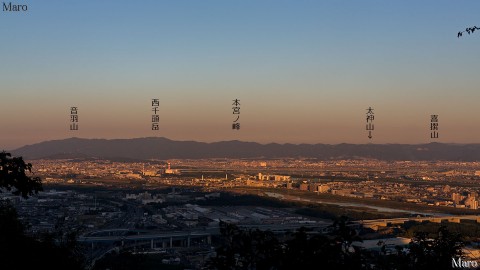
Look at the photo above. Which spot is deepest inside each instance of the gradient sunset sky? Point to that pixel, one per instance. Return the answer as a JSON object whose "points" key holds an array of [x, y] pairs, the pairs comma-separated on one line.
{"points": [[304, 71]]}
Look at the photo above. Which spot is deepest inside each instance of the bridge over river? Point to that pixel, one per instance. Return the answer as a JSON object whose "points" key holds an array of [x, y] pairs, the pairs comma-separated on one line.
{"points": [[376, 223]]}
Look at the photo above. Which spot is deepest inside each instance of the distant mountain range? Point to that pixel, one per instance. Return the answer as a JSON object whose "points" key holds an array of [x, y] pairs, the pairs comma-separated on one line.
{"points": [[163, 148]]}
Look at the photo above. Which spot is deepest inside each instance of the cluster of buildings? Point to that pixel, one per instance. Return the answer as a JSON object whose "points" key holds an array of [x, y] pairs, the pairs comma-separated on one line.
{"points": [[146, 197], [67, 209], [385, 180], [93, 211], [433, 195], [468, 201], [68, 170]]}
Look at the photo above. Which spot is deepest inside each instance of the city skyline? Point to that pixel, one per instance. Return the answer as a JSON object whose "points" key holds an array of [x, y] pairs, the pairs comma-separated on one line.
{"points": [[304, 72]]}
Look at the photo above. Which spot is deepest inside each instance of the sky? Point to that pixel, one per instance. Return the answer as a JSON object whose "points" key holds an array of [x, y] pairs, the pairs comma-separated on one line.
{"points": [[304, 71]]}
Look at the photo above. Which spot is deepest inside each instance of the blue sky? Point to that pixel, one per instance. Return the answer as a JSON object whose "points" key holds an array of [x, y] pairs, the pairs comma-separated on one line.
{"points": [[305, 71]]}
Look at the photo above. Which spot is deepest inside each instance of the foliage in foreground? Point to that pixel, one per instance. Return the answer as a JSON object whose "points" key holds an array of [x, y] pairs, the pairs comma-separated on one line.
{"points": [[48, 251], [255, 249], [19, 250]]}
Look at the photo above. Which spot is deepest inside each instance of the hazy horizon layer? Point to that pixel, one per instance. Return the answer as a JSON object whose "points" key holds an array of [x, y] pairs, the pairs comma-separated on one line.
{"points": [[304, 71], [163, 148], [243, 141]]}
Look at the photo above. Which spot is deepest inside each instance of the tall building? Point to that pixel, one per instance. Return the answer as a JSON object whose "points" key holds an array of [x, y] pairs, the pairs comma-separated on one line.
{"points": [[474, 205], [303, 186], [323, 188], [457, 198]]}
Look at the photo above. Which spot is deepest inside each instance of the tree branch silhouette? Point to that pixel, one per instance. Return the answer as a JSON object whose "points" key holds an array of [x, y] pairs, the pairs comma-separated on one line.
{"points": [[468, 30], [13, 176]]}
